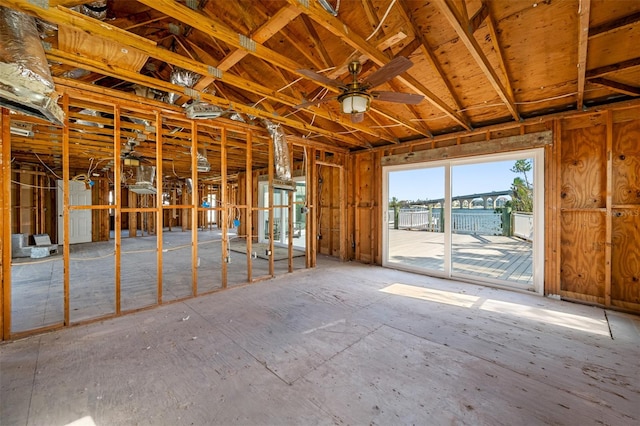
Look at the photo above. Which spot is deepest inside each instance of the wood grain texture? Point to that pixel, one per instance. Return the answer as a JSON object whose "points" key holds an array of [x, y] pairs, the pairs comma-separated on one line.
{"points": [[81, 43], [625, 268], [582, 266], [583, 168], [626, 163]]}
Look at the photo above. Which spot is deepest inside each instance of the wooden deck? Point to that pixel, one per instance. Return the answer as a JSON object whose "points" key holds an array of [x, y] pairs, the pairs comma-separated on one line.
{"points": [[484, 256]]}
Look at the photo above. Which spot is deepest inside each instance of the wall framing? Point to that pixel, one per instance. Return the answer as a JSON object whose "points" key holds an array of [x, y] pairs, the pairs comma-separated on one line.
{"points": [[592, 198]]}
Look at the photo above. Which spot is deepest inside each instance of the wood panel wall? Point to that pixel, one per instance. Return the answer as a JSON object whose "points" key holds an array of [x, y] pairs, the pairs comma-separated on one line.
{"points": [[592, 201], [600, 215]]}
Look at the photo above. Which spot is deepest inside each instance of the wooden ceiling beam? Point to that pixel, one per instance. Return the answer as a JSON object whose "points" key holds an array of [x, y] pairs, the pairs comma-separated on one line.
{"points": [[133, 77], [384, 42], [262, 34], [316, 40], [478, 18], [455, 19], [616, 86], [584, 13], [62, 16], [218, 30], [342, 31], [498, 49], [614, 25], [608, 69], [409, 18]]}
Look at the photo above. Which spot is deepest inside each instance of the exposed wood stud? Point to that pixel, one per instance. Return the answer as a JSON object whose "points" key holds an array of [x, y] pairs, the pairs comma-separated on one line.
{"points": [[117, 194], [608, 204], [65, 207], [5, 223], [224, 202], [195, 205]]}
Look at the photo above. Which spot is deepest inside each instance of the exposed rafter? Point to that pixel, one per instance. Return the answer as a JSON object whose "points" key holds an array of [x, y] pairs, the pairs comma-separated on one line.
{"points": [[262, 34], [583, 44], [614, 25], [456, 21], [478, 18], [68, 17], [608, 69], [409, 18], [339, 29], [498, 49], [98, 66], [616, 86]]}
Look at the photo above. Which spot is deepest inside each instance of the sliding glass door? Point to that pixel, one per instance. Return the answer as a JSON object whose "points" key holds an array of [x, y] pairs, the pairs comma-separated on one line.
{"points": [[476, 219]]}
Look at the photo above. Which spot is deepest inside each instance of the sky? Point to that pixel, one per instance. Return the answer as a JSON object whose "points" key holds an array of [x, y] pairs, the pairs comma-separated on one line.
{"points": [[428, 183]]}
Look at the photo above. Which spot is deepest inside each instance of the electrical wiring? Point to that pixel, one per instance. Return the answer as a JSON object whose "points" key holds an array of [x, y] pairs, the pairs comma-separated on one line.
{"points": [[50, 188], [384, 17], [48, 168]]}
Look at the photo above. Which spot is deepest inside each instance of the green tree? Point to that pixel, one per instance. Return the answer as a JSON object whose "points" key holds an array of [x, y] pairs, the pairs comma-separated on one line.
{"points": [[522, 189]]}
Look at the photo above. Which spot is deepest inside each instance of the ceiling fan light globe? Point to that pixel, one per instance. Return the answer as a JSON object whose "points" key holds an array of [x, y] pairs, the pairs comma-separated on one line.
{"points": [[355, 103], [134, 162]]}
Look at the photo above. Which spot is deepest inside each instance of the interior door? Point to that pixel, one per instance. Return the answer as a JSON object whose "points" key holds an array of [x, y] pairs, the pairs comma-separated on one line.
{"points": [[79, 220]]}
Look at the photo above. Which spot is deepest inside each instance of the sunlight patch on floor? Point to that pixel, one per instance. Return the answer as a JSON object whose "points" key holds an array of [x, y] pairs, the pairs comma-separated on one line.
{"points": [[548, 316], [431, 295]]}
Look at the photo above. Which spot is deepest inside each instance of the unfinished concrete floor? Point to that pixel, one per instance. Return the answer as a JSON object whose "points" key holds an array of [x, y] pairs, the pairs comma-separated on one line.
{"points": [[342, 344]]}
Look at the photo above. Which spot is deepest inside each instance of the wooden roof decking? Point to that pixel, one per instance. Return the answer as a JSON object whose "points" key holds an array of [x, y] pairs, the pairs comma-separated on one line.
{"points": [[476, 62]]}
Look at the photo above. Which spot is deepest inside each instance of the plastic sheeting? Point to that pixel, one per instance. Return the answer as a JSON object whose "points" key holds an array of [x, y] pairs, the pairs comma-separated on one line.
{"points": [[280, 150]]}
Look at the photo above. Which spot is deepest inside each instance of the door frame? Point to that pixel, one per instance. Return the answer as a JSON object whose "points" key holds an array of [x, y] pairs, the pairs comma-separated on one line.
{"points": [[537, 154], [74, 214]]}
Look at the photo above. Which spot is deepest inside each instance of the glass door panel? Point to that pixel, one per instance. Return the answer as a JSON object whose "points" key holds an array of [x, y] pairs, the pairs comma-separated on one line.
{"points": [[416, 218], [483, 240]]}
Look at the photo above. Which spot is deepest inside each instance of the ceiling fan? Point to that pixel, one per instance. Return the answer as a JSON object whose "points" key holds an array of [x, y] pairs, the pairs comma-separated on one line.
{"points": [[355, 98], [129, 156]]}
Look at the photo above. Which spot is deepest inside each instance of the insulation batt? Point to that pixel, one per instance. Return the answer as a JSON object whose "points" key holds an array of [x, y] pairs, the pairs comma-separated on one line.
{"points": [[23, 63]]}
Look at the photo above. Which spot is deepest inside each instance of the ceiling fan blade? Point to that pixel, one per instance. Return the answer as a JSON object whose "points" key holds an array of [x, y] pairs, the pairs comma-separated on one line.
{"points": [[394, 68], [321, 78], [401, 98], [316, 102], [358, 117]]}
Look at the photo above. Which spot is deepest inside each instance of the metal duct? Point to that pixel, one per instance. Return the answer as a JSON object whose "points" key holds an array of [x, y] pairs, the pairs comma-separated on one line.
{"points": [[26, 85], [184, 78], [95, 10], [237, 117], [46, 29], [280, 150], [203, 164], [92, 113]]}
